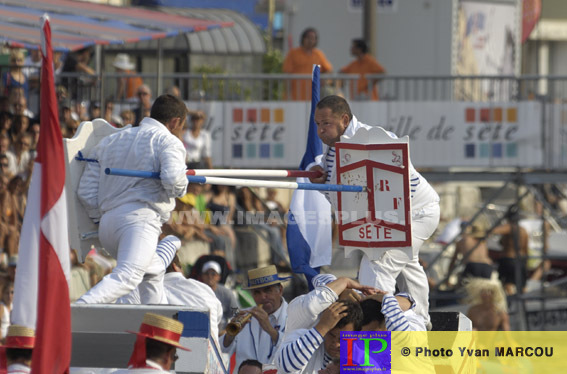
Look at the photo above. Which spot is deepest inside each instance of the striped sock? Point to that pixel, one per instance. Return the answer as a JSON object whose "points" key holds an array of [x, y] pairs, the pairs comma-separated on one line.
{"points": [[167, 248]]}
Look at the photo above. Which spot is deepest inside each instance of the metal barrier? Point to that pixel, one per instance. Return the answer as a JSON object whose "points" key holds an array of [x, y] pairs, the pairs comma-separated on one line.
{"points": [[78, 88]]}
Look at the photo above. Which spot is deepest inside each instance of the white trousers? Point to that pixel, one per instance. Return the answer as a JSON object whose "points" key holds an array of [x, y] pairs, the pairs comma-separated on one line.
{"points": [[394, 263], [130, 233]]}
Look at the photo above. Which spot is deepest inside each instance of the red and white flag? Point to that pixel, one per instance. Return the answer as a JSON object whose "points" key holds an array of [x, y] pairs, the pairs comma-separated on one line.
{"points": [[41, 298]]}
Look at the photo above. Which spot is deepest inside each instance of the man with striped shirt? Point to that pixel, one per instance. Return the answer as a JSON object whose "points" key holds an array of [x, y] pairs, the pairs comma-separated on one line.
{"points": [[334, 119], [314, 323]]}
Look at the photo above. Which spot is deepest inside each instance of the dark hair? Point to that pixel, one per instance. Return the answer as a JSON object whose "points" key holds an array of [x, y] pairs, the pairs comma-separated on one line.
{"points": [[305, 32], [167, 107], [360, 44], [156, 349], [6, 115], [337, 104], [16, 354], [513, 213], [175, 261], [354, 315], [371, 311], [250, 362]]}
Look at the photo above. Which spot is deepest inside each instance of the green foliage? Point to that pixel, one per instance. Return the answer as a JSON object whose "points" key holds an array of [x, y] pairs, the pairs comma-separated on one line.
{"points": [[218, 89], [272, 63]]}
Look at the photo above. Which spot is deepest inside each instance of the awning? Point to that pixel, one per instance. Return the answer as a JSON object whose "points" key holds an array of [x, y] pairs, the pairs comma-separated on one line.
{"points": [[77, 24], [241, 39]]}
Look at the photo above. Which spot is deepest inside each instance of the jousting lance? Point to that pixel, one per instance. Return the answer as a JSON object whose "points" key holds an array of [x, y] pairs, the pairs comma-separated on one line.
{"points": [[246, 182]]}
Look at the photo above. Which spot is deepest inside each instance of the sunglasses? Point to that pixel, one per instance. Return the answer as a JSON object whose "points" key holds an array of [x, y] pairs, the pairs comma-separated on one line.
{"points": [[4, 165]]}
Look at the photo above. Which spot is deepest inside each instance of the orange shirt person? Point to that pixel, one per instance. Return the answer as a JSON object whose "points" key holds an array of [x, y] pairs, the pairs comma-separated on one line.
{"points": [[300, 60], [363, 64], [127, 86]]}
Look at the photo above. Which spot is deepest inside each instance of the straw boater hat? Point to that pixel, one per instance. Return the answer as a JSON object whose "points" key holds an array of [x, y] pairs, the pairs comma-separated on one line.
{"points": [[20, 337], [160, 328], [122, 61], [156, 327], [263, 277]]}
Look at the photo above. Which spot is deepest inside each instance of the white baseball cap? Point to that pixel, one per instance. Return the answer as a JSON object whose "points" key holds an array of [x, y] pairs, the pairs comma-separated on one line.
{"points": [[212, 265]]}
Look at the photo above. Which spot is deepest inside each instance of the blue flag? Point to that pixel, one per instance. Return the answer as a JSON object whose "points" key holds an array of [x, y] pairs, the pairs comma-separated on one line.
{"points": [[309, 240]]}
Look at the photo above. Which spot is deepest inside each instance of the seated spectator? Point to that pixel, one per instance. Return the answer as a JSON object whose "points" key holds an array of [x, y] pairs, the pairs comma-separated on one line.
{"points": [[144, 94], [17, 188], [20, 126], [174, 91], [24, 161], [5, 166], [211, 275], [6, 308], [127, 117], [198, 143], [95, 111], [187, 224], [20, 107], [314, 323], [5, 105], [5, 145], [15, 77], [6, 119], [195, 204], [109, 111], [488, 308], [34, 131], [68, 120], [251, 205], [221, 207], [9, 221]]}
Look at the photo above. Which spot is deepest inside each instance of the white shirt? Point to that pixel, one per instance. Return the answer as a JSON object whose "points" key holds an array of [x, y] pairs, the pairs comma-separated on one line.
{"points": [[152, 367], [302, 349], [190, 292], [253, 342], [179, 290], [12, 162], [18, 368], [149, 147], [199, 147]]}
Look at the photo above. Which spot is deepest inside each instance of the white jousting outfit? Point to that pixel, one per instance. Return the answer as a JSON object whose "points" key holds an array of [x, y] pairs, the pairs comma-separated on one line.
{"points": [[381, 270], [132, 210]]}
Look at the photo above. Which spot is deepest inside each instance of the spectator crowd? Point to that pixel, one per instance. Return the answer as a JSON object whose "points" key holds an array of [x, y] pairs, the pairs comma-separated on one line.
{"points": [[297, 334]]}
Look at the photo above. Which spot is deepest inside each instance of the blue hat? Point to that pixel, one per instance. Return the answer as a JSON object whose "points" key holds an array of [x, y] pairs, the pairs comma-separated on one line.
{"points": [[264, 277]]}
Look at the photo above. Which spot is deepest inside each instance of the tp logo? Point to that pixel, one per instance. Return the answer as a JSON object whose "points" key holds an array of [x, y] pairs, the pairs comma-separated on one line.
{"points": [[366, 351]]}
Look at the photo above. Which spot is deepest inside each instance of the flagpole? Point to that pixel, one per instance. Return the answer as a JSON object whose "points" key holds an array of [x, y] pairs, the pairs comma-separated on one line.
{"points": [[242, 182]]}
